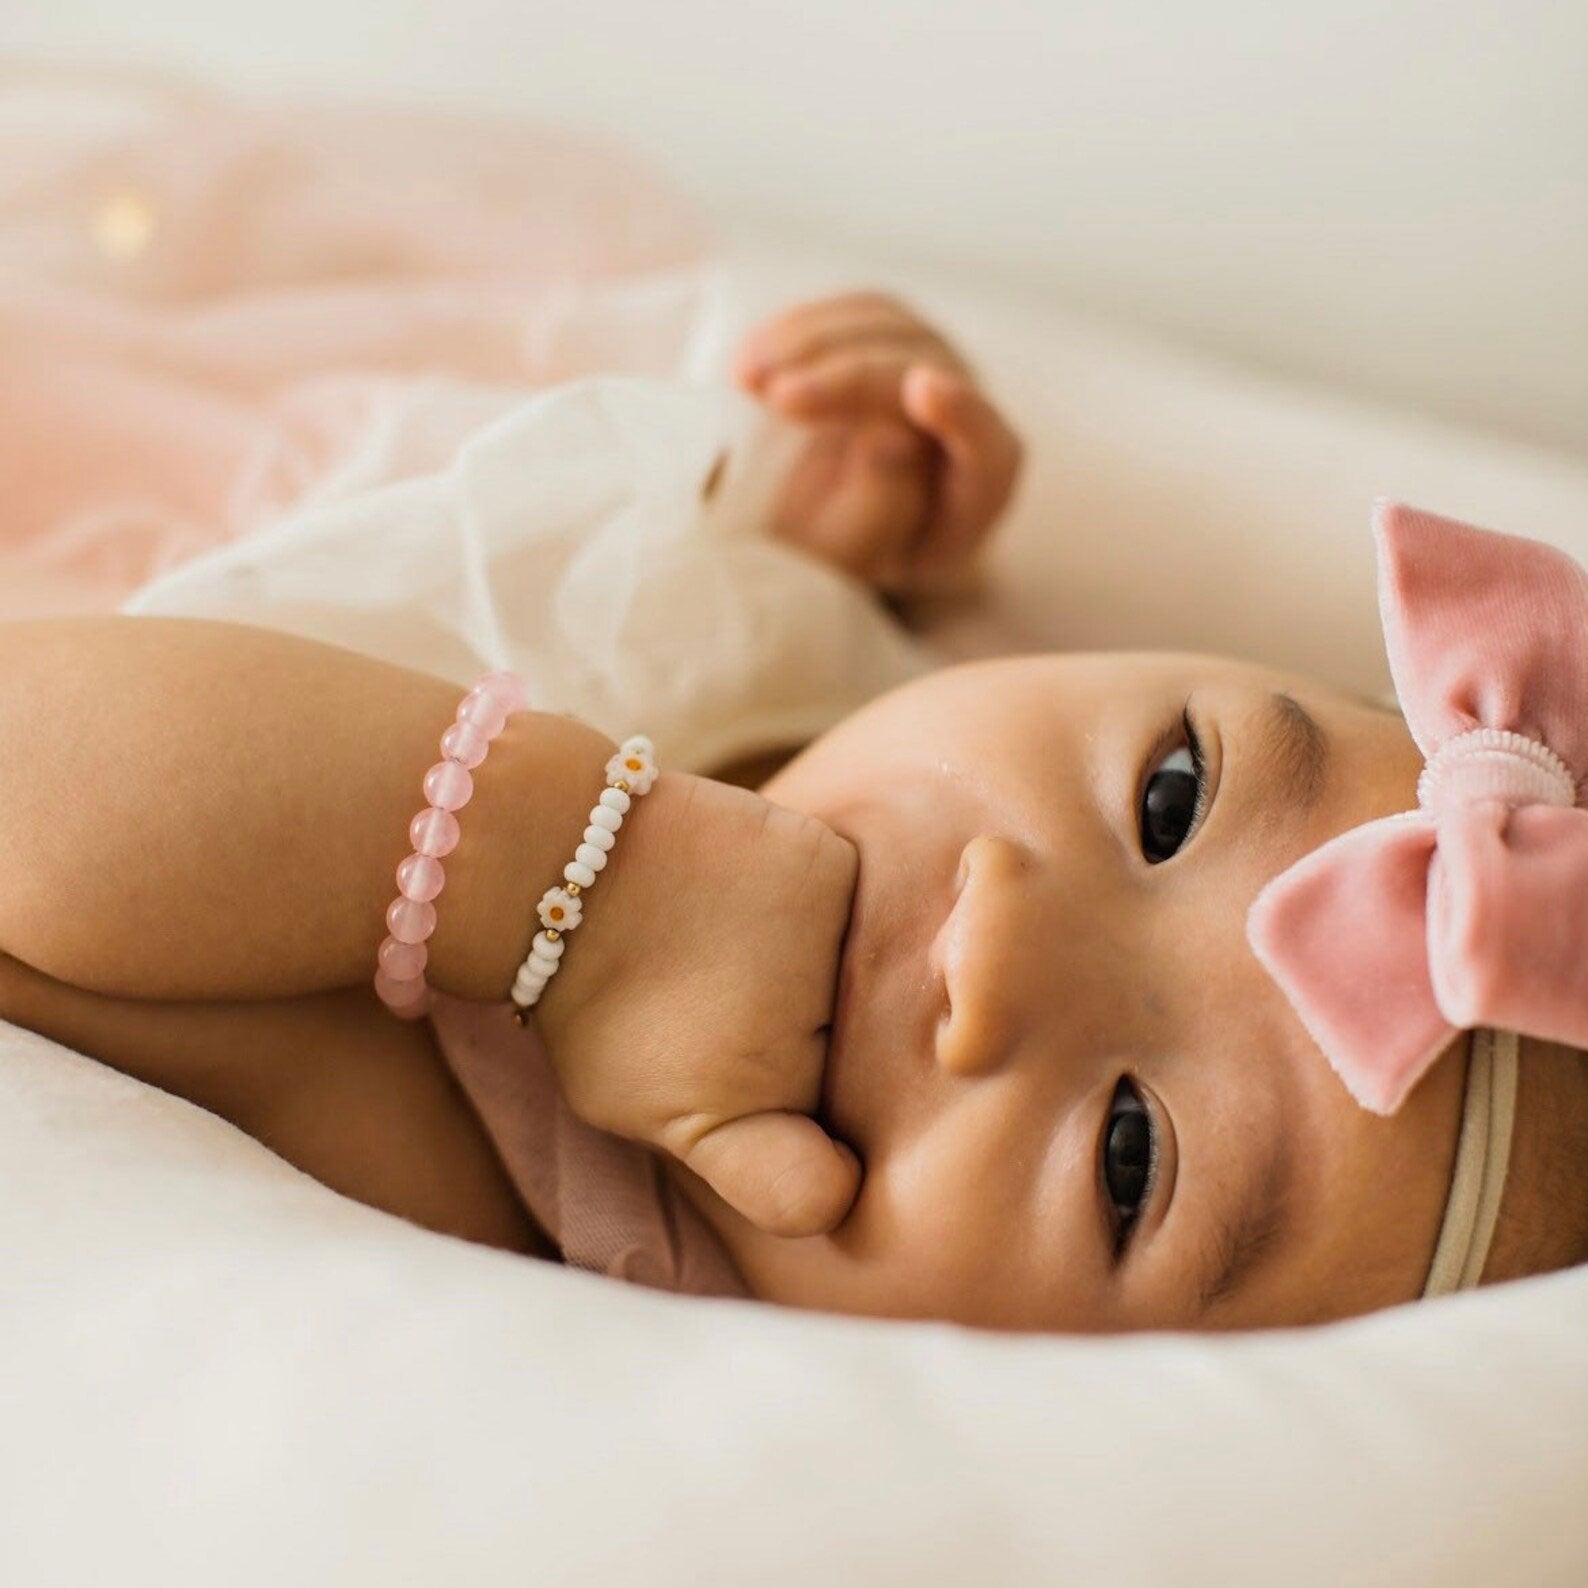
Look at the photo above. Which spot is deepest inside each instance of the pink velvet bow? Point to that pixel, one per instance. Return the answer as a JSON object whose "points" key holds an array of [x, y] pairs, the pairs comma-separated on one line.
{"points": [[1471, 910]]}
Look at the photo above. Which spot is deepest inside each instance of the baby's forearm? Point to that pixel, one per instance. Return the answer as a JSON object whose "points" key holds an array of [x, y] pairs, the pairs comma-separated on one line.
{"points": [[202, 810]]}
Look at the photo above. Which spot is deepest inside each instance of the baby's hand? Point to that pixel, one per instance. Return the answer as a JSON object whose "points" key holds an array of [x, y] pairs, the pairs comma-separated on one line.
{"points": [[910, 465], [690, 1007]]}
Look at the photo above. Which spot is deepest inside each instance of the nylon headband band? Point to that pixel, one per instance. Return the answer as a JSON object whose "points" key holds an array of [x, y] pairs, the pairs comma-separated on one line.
{"points": [[1483, 1156]]}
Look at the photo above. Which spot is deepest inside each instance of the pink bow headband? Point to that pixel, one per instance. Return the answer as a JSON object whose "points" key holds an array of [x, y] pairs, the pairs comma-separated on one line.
{"points": [[1472, 910]]}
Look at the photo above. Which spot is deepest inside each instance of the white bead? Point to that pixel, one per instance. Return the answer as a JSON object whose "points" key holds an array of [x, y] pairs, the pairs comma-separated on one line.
{"points": [[577, 871], [616, 800], [548, 947], [529, 1000], [599, 838], [537, 966], [525, 988], [589, 855], [606, 818]]}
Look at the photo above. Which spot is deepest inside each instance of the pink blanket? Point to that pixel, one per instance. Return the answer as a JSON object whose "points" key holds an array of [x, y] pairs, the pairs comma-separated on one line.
{"points": [[201, 301]]}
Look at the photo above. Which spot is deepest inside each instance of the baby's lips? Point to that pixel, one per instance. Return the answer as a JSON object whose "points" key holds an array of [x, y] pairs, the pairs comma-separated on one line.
{"points": [[838, 1021]]}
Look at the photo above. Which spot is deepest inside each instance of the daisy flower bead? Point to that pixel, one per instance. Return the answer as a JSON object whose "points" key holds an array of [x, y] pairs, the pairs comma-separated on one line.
{"points": [[629, 773], [559, 910], [634, 764]]}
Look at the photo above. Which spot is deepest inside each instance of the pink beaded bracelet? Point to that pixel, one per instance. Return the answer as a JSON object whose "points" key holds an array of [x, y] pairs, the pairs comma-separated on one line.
{"points": [[449, 785]]}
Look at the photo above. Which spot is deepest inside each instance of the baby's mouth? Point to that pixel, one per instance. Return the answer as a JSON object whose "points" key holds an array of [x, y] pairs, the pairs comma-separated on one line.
{"points": [[840, 1020]]}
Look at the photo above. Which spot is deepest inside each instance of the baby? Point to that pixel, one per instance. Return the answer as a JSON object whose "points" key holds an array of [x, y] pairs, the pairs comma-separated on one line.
{"points": [[953, 1013]]}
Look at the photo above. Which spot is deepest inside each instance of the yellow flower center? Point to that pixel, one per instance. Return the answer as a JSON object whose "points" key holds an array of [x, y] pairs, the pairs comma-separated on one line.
{"points": [[555, 912], [634, 763]]}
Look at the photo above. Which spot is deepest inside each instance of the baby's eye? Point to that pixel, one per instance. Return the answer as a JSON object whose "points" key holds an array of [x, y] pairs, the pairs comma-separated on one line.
{"points": [[1171, 802], [1130, 1154]]}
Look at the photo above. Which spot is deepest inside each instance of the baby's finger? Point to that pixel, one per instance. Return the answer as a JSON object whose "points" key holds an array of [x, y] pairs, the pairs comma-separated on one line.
{"points": [[982, 457], [782, 1171], [810, 330], [904, 345], [854, 387]]}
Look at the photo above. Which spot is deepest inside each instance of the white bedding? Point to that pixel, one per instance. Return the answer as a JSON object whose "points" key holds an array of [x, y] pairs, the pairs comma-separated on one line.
{"points": [[212, 1370]]}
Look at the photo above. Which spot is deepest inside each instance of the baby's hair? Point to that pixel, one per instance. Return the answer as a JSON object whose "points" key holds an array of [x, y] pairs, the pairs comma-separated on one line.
{"points": [[1543, 1223]]}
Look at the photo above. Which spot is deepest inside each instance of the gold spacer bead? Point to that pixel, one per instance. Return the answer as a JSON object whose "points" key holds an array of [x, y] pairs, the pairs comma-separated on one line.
{"points": [[571, 889], [621, 786], [552, 934], [521, 1014]]}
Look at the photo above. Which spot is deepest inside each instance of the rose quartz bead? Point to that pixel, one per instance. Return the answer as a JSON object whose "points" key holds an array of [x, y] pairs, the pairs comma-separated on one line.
{"points": [[410, 921], [508, 688], [434, 832], [484, 711], [403, 961], [465, 744], [448, 786], [421, 878], [410, 999]]}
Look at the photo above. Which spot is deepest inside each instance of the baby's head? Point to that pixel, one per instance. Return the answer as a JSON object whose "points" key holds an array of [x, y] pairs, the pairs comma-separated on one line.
{"points": [[1080, 1100]]}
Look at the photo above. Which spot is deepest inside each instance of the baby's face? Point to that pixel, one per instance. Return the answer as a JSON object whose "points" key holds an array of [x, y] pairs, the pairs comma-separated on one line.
{"points": [[1079, 1100]]}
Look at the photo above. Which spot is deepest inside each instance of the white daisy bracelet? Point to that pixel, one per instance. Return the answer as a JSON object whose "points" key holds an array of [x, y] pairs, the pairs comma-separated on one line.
{"points": [[630, 772]]}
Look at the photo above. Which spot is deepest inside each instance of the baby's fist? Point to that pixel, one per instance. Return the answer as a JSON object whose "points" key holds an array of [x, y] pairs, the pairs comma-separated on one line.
{"points": [[909, 466], [691, 1009]]}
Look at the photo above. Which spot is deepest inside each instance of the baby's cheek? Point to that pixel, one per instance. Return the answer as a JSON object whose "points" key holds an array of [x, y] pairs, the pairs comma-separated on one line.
{"points": [[963, 1213]]}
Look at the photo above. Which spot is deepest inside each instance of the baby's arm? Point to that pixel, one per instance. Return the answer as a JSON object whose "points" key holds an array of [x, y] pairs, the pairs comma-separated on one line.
{"points": [[201, 811], [195, 810]]}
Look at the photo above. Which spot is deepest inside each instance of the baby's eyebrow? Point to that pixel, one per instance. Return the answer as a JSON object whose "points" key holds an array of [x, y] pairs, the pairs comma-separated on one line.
{"points": [[1297, 748]]}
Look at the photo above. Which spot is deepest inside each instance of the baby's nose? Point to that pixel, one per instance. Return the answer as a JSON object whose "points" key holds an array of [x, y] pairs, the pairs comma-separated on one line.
{"points": [[975, 953]]}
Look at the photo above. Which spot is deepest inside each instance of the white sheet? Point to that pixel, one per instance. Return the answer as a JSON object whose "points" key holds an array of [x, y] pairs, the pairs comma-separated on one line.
{"points": [[212, 1370]]}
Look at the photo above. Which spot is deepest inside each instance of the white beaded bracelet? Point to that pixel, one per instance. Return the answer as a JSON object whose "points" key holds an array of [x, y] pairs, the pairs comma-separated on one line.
{"points": [[631, 771]]}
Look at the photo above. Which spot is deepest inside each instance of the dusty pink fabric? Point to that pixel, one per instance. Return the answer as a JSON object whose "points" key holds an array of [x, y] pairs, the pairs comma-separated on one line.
{"points": [[202, 300], [1473, 909], [604, 1201]]}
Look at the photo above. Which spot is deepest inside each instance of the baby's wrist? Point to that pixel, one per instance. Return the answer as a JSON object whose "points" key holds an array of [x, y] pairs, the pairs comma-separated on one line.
{"points": [[529, 810], [626, 905]]}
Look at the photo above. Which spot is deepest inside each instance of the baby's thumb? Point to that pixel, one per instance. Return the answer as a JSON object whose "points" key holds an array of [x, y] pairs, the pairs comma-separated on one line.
{"points": [[782, 1171]]}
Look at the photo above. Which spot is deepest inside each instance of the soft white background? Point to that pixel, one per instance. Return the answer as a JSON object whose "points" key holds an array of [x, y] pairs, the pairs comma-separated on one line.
{"points": [[1389, 194]]}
